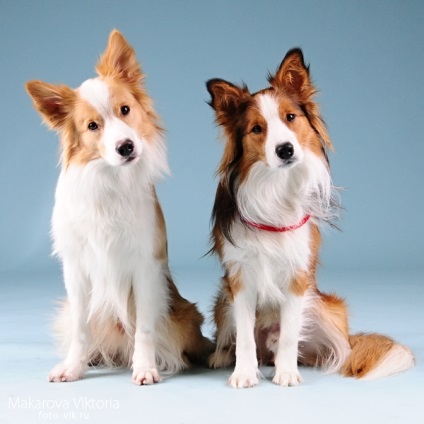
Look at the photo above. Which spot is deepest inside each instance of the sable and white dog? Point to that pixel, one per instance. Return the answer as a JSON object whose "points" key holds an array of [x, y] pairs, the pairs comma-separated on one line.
{"points": [[274, 193], [108, 229]]}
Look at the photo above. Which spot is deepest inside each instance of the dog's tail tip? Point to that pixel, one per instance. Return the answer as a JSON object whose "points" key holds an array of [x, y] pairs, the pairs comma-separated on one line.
{"points": [[375, 356], [398, 359]]}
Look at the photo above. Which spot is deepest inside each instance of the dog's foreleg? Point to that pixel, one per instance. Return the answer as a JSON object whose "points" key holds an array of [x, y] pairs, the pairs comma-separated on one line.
{"points": [[246, 371], [150, 297], [286, 371], [76, 361]]}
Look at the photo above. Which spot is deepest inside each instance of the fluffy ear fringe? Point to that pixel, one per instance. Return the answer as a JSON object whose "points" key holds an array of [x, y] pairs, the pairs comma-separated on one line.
{"points": [[226, 98], [119, 60], [53, 102], [293, 77]]}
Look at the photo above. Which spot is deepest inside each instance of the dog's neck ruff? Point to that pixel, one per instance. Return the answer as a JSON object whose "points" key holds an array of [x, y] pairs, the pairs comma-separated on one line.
{"points": [[270, 228]]}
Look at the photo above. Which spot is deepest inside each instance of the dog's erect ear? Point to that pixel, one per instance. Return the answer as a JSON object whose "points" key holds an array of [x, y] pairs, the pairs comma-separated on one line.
{"points": [[53, 102], [293, 75], [226, 98], [119, 60]]}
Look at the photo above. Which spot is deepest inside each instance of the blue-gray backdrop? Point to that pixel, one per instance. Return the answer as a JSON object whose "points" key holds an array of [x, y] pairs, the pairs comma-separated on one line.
{"points": [[366, 56]]}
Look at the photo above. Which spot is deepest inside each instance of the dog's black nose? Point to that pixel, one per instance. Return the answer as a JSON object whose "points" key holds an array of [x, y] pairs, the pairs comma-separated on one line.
{"points": [[125, 148], [285, 151]]}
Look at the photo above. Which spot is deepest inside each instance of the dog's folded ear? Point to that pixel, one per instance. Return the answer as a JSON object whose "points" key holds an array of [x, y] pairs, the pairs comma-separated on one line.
{"points": [[119, 60], [226, 99], [53, 102]]}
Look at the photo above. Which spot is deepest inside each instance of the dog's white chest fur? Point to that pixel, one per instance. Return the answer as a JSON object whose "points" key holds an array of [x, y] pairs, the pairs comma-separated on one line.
{"points": [[102, 206], [271, 260], [103, 224]]}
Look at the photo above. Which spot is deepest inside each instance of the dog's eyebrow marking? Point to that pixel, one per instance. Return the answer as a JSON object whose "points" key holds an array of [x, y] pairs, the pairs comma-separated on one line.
{"points": [[96, 93]]}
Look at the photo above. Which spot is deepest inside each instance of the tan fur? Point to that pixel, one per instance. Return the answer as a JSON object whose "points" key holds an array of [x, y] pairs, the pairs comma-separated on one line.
{"points": [[300, 284], [367, 352], [232, 284], [253, 144], [161, 251], [224, 354], [186, 322], [293, 77]]}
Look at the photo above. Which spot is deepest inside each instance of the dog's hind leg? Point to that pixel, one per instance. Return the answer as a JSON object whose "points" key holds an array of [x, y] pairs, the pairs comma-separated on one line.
{"points": [[224, 354], [185, 334], [326, 343]]}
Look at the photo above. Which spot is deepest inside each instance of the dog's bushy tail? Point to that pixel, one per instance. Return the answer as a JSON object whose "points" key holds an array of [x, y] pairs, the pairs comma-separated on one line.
{"points": [[363, 356], [374, 356]]}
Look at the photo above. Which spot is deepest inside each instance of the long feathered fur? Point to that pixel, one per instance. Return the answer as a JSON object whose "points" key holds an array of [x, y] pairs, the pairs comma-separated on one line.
{"points": [[108, 229], [272, 273]]}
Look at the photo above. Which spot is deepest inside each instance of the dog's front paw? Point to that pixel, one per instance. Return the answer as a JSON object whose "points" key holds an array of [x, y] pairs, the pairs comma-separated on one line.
{"points": [[144, 376], [241, 379], [63, 372], [287, 378]]}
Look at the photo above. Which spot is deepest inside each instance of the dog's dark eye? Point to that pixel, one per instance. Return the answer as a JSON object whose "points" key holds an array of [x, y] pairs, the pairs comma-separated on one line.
{"points": [[92, 126], [290, 117], [125, 110], [257, 129]]}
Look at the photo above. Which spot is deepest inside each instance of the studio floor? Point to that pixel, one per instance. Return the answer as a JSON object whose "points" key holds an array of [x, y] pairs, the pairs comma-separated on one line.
{"points": [[391, 304]]}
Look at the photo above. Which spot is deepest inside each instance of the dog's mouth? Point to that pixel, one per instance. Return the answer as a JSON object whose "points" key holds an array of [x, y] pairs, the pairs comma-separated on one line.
{"points": [[132, 158], [288, 163]]}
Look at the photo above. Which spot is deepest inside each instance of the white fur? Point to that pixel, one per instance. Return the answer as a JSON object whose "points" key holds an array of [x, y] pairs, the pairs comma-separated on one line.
{"points": [[329, 344], [268, 263], [399, 358], [280, 195], [246, 371], [96, 92], [103, 229], [286, 373], [277, 132]]}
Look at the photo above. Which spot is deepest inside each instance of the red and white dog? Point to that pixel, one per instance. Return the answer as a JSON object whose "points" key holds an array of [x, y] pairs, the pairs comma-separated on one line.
{"points": [[274, 193], [108, 229]]}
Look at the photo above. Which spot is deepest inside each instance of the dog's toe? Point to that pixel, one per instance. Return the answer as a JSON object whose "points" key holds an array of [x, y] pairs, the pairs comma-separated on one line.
{"points": [[286, 379], [240, 380], [146, 376], [63, 373]]}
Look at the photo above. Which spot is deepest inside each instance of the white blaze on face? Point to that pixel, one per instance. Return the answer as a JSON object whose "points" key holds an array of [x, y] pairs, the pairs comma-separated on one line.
{"points": [[277, 133], [115, 131]]}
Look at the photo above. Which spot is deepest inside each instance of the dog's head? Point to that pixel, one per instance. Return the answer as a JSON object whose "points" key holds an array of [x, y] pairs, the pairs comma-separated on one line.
{"points": [[109, 117], [274, 166], [274, 125]]}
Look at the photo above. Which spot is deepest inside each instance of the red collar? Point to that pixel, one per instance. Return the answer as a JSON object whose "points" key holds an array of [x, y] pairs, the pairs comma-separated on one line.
{"points": [[264, 227]]}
